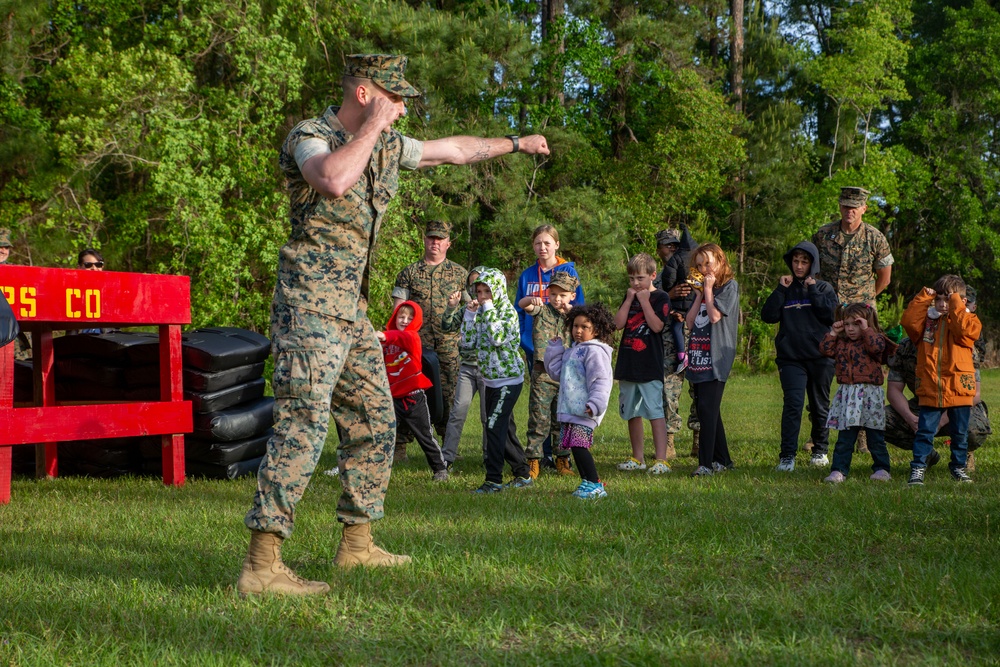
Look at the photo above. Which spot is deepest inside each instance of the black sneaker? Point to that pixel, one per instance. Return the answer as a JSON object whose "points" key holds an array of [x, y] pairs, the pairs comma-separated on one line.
{"points": [[917, 476], [489, 487], [961, 475], [933, 458]]}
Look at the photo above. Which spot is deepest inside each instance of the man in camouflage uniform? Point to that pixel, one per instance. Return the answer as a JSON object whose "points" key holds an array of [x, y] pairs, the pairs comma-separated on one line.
{"points": [[429, 282], [901, 413], [342, 170], [667, 243], [854, 258]]}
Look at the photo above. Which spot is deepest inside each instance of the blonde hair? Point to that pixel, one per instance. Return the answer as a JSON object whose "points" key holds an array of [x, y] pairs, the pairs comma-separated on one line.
{"points": [[545, 229], [724, 272], [642, 263]]}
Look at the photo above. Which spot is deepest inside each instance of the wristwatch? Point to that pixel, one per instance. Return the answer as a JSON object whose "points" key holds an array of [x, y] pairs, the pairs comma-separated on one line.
{"points": [[513, 138]]}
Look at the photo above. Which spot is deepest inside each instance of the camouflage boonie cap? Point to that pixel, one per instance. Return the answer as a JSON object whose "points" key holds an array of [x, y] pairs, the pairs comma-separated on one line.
{"points": [[666, 236], [853, 197], [385, 70], [5, 238], [438, 229], [565, 280]]}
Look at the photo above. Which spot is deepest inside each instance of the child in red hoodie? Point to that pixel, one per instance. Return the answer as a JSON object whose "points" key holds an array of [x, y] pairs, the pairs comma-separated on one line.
{"points": [[403, 362]]}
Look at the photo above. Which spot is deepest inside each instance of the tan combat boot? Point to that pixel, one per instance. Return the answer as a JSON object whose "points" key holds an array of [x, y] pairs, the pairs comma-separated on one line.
{"points": [[399, 453], [533, 467], [563, 467], [862, 443], [263, 571], [671, 452], [695, 438], [970, 462], [357, 548]]}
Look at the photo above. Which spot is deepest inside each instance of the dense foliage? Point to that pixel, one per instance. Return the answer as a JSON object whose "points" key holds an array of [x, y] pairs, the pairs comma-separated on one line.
{"points": [[149, 129]]}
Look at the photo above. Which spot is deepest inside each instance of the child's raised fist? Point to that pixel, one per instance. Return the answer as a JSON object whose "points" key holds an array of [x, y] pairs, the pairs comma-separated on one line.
{"points": [[454, 298]]}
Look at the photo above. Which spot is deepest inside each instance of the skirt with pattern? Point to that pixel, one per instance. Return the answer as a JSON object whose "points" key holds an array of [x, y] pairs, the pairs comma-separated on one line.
{"points": [[857, 405], [576, 435]]}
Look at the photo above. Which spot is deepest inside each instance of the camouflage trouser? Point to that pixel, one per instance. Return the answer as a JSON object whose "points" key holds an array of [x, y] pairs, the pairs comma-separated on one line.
{"points": [[899, 433], [542, 421], [324, 367], [673, 385], [446, 346]]}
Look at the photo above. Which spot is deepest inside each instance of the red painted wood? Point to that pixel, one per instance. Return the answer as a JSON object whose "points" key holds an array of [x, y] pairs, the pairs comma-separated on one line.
{"points": [[43, 299], [94, 298]]}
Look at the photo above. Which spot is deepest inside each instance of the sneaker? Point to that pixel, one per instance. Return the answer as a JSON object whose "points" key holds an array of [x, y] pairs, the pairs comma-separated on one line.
{"points": [[819, 460], [519, 483], [682, 364], [632, 464], [594, 491], [659, 468], [933, 458], [718, 467], [835, 477], [881, 476], [917, 476], [961, 475], [786, 464], [547, 463], [441, 475], [584, 487], [702, 471], [489, 487]]}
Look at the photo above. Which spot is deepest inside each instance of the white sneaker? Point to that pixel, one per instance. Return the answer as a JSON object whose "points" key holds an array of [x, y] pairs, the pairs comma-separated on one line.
{"points": [[819, 460], [787, 464], [632, 464], [659, 468], [835, 477]]}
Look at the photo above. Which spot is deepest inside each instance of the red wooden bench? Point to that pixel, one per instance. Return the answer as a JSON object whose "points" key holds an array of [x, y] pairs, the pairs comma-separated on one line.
{"points": [[47, 299]]}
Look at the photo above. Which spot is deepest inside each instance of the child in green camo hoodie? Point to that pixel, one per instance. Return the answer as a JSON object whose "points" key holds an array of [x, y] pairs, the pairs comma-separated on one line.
{"points": [[490, 327]]}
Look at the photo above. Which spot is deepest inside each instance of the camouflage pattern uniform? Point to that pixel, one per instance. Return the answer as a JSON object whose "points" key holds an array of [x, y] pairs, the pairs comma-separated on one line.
{"points": [[903, 368], [673, 384], [547, 324], [429, 287], [328, 361], [849, 262]]}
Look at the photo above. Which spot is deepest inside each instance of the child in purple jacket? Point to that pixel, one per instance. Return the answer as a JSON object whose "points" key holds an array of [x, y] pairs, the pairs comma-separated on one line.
{"points": [[585, 379]]}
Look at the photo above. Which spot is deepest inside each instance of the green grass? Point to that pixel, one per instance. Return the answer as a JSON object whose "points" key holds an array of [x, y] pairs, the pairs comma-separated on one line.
{"points": [[751, 567]]}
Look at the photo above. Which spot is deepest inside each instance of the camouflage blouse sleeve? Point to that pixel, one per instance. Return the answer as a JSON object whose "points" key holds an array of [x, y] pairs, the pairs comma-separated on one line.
{"points": [[883, 254]]}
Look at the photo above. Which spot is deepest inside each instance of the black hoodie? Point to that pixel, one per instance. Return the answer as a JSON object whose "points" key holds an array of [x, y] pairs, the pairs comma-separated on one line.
{"points": [[803, 313]]}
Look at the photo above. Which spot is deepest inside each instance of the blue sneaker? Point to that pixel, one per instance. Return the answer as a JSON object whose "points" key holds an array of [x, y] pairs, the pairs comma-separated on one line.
{"points": [[584, 487], [519, 483], [594, 491], [489, 487]]}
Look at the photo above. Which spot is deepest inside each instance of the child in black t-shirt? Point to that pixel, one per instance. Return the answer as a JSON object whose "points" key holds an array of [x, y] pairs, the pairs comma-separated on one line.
{"points": [[639, 369]]}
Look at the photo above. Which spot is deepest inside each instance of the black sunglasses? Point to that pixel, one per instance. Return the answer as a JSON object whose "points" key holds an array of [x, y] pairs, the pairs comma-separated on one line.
{"points": [[90, 265]]}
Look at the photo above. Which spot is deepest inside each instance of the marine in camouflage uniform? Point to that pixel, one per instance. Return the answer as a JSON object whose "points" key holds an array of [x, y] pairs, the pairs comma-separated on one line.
{"points": [[903, 369], [429, 286], [850, 261], [342, 170]]}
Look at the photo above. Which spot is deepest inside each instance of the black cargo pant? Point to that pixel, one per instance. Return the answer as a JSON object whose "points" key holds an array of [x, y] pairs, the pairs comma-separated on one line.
{"points": [[800, 379]]}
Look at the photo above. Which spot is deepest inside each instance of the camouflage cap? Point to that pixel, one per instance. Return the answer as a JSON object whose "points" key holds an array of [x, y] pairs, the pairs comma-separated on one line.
{"points": [[438, 229], [853, 197], [5, 238], [564, 280], [385, 70], [666, 236]]}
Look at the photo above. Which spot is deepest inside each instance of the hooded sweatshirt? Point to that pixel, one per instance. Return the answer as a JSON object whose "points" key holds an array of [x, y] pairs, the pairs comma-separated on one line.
{"points": [[403, 354], [534, 281], [803, 313], [451, 321], [585, 380], [492, 331]]}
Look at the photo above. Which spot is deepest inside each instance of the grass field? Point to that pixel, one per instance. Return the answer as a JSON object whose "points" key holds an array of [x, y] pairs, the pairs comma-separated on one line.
{"points": [[750, 567]]}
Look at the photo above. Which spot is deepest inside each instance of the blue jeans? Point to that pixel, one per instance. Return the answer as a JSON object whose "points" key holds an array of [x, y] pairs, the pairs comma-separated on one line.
{"points": [[844, 449], [927, 426]]}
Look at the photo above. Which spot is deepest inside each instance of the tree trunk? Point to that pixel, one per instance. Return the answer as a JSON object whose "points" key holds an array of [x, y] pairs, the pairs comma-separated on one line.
{"points": [[552, 12], [736, 89]]}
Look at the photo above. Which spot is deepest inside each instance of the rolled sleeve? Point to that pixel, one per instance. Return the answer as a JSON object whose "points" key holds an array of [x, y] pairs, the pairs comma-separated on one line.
{"points": [[309, 148], [413, 151]]}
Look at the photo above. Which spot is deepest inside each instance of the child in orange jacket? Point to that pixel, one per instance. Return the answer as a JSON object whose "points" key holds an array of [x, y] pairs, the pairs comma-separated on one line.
{"points": [[404, 363], [944, 333]]}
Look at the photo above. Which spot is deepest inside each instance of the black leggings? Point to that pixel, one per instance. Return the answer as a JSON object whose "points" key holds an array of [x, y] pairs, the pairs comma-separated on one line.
{"points": [[713, 446], [585, 464]]}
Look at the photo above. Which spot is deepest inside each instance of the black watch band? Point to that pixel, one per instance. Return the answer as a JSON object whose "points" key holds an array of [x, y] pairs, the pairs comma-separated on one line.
{"points": [[513, 138]]}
